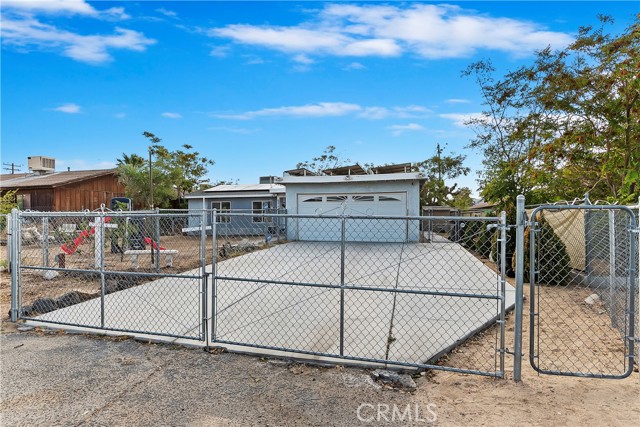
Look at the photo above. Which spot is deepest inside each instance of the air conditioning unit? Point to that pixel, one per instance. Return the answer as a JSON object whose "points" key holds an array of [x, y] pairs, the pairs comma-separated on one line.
{"points": [[41, 164]]}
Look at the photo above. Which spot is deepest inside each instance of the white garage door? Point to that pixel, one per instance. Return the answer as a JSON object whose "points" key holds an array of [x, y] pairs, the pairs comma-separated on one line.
{"points": [[357, 230]]}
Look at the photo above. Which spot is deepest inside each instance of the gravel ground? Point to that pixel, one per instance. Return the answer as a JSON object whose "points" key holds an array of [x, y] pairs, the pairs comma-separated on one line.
{"points": [[52, 378], [61, 379]]}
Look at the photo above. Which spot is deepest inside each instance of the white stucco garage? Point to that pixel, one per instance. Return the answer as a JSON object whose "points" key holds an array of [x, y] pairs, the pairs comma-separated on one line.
{"points": [[385, 194]]}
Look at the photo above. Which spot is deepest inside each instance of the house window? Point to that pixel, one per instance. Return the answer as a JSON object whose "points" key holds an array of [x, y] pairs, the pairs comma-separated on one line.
{"points": [[222, 207], [337, 198], [259, 208], [363, 198], [24, 201], [388, 199], [313, 199]]}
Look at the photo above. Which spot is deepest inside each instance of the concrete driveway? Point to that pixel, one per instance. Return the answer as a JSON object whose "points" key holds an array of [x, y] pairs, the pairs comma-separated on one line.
{"points": [[377, 325]]}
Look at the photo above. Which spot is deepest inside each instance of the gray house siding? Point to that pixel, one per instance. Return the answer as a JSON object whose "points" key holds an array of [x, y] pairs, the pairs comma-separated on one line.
{"points": [[236, 225]]}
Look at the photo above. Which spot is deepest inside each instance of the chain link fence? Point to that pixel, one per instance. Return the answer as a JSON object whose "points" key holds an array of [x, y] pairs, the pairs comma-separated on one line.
{"points": [[73, 268], [583, 269], [399, 291], [393, 290]]}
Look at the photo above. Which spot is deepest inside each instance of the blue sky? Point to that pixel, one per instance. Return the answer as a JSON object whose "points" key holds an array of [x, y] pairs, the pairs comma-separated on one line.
{"points": [[260, 86]]}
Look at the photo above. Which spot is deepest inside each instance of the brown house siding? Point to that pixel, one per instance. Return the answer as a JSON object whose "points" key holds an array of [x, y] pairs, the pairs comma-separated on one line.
{"points": [[89, 194]]}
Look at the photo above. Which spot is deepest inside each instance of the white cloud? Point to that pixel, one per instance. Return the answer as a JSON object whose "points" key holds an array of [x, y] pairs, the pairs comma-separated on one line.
{"points": [[407, 112], [457, 101], [303, 59], [120, 115], [332, 109], [321, 109], [92, 49], [165, 12], [459, 119], [51, 6], [170, 115], [69, 108], [354, 66], [398, 130], [65, 7], [429, 31]]}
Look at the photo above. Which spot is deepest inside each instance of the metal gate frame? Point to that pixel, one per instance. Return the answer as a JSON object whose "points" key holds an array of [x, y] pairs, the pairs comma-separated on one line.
{"points": [[17, 266], [499, 223], [629, 336]]}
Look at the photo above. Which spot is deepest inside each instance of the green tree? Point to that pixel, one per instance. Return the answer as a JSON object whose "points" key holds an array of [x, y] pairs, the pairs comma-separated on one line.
{"points": [[438, 169], [463, 199], [591, 89], [8, 202], [166, 177], [566, 124]]}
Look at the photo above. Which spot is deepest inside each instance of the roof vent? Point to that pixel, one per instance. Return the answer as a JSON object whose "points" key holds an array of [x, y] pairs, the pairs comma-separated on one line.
{"points": [[41, 164]]}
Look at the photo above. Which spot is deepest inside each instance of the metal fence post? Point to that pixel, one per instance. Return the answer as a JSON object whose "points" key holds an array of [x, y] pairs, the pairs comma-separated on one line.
{"points": [[612, 266], [102, 276], [45, 241], [517, 345], [212, 310], [204, 284], [342, 250], [157, 239], [503, 285], [14, 237]]}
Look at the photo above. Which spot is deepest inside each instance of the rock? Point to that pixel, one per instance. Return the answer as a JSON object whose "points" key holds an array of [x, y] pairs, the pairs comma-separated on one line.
{"points": [[592, 299], [50, 274], [44, 305], [394, 379], [246, 246], [3, 268], [26, 311], [25, 328]]}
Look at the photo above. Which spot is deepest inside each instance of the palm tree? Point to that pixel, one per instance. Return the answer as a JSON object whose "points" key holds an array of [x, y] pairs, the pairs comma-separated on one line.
{"points": [[132, 160]]}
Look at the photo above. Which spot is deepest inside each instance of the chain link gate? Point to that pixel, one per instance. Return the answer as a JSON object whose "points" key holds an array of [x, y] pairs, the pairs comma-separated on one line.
{"points": [[398, 291], [141, 272], [583, 271]]}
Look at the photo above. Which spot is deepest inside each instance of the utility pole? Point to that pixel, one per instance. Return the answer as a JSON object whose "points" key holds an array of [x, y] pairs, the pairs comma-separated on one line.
{"points": [[150, 178], [154, 142]]}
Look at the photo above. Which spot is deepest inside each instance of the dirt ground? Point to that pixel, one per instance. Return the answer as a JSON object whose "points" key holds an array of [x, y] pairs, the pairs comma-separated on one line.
{"points": [[164, 385]]}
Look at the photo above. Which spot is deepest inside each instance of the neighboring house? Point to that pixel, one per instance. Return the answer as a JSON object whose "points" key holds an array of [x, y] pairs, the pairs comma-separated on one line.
{"points": [[388, 191], [480, 209], [63, 191], [251, 200]]}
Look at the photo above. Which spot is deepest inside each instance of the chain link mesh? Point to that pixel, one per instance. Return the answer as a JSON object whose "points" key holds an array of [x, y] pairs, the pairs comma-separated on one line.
{"points": [[366, 288], [583, 274], [134, 272]]}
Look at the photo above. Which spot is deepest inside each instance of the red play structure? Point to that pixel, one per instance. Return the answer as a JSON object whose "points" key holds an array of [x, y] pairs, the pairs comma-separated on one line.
{"points": [[71, 248]]}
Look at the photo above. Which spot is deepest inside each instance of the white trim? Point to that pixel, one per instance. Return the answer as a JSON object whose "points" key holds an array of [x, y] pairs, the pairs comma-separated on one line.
{"points": [[414, 176]]}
